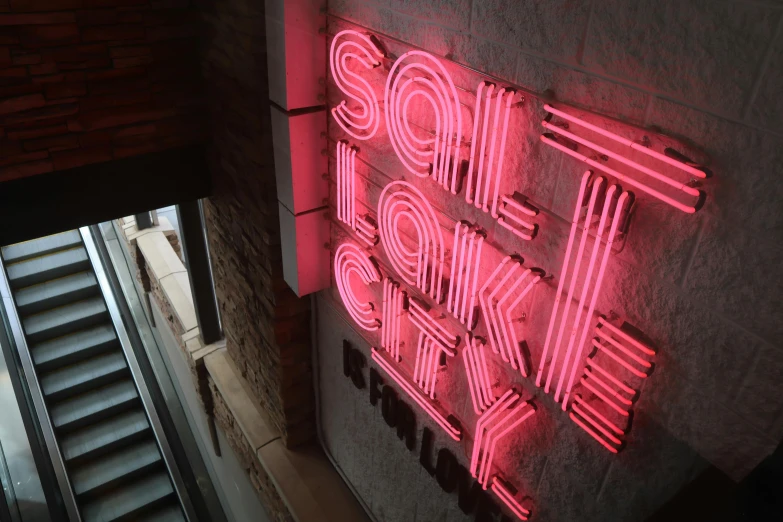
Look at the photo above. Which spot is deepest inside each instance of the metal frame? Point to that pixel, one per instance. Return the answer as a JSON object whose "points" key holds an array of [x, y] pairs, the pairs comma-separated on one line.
{"points": [[133, 365], [194, 246], [53, 448]]}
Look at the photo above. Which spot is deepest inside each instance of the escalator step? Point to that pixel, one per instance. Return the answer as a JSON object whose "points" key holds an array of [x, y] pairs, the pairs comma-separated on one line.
{"points": [[130, 502], [93, 406], [57, 292], [105, 436], [115, 468], [82, 376], [74, 347], [167, 513], [41, 246], [44, 268], [64, 319]]}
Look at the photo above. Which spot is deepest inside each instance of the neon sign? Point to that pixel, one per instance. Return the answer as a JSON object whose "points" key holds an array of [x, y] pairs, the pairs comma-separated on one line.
{"points": [[457, 302]]}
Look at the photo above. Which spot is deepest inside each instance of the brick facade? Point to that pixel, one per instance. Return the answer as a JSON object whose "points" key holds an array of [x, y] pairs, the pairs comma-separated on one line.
{"points": [[89, 81], [265, 324]]}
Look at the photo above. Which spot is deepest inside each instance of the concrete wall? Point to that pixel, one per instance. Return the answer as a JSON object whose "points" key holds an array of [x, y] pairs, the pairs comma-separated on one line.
{"points": [[705, 287]]}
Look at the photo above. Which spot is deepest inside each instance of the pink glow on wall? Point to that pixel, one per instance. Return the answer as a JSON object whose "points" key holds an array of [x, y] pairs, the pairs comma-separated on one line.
{"points": [[417, 74], [659, 177], [350, 261], [393, 308], [497, 308], [416, 251], [465, 265], [504, 494], [486, 157], [366, 229], [423, 401], [479, 383], [347, 47]]}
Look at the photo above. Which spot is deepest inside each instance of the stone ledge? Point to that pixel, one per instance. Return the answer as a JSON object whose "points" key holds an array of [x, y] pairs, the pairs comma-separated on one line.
{"points": [[304, 479]]}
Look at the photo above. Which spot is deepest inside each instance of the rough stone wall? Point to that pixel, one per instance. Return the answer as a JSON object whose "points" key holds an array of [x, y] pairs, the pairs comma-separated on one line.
{"points": [[258, 477], [88, 81], [265, 324], [705, 287]]}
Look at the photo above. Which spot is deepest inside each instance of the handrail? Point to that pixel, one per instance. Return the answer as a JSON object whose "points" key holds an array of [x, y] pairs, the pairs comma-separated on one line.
{"points": [[136, 373], [36, 394]]}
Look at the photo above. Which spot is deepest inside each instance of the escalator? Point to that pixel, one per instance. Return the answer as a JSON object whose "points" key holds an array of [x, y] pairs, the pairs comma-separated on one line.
{"points": [[103, 427]]}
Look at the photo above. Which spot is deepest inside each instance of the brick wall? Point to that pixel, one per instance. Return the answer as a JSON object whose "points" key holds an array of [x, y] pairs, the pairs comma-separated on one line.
{"points": [[265, 324], [705, 287], [88, 81]]}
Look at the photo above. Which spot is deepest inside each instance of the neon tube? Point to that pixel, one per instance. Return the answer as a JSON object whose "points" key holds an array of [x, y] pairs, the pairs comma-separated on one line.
{"points": [[454, 267], [413, 205], [468, 265], [627, 389], [623, 349], [602, 384], [480, 427], [499, 308], [592, 433], [489, 456], [603, 397], [508, 499], [516, 206], [470, 371], [352, 199], [597, 185], [585, 287], [480, 243], [476, 116], [419, 359], [576, 409], [488, 417], [491, 160], [514, 340], [398, 309], [657, 155], [482, 468], [622, 159], [526, 237], [448, 131], [340, 183], [619, 209], [493, 310], [563, 273], [641, 347], [482, 300], [501, 156], [348, 260], [619, 360], [622, 177], [484, 127], [450, 430], [484, 375], [516, 220], [348, 82], [441, 333], [578, 400]]}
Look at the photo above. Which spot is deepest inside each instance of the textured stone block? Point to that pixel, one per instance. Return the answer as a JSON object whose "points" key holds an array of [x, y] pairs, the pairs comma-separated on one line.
{"points": [[646, 43], [734, 272], [476, 52], [581, 89], [300, 165], [48, 35], [742, 157], [21, 103], [69, 159], [767, 108], [551, 28], [450, 13]]}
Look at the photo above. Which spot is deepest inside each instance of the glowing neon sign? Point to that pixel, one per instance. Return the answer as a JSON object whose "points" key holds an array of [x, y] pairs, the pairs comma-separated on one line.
{"points": [[480, 284]]}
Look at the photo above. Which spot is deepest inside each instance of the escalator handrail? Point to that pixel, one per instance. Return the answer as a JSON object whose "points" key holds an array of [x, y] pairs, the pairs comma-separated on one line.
{"points": [[136, 374], [36, 395]]}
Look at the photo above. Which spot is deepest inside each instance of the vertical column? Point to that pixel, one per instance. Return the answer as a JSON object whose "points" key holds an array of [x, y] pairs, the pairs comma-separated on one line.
{"points": [[296, 45]]}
